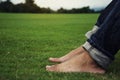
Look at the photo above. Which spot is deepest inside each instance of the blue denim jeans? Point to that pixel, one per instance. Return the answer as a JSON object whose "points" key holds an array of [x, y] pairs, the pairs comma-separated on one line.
{"points": [[104, 40], [105, 13]]}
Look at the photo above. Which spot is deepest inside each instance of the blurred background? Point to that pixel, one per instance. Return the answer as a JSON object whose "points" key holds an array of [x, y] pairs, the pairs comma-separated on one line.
{"points": [[53, 6]]}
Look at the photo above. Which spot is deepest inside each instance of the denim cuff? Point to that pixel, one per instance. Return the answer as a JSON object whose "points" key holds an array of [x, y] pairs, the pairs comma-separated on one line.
{"points": [[101, 59], [91, 32]]}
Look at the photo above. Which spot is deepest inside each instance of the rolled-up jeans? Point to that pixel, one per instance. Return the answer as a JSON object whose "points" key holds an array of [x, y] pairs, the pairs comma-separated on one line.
{"points": [[103, 41]]}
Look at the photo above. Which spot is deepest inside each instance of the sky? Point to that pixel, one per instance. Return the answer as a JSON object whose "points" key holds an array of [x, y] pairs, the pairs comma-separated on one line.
{"points": [[68, 4]]}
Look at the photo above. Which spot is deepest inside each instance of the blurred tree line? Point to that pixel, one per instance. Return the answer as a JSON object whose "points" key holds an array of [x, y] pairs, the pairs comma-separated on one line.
{"points": [[30, 7], [74, 10]]}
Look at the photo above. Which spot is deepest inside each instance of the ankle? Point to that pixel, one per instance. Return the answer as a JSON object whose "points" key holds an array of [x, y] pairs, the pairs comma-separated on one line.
{"points": [[90, 61]]}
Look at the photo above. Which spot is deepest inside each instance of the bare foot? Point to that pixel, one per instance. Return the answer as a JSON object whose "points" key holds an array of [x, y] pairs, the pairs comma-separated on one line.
{"points": [[67, 56], [79, 63]]}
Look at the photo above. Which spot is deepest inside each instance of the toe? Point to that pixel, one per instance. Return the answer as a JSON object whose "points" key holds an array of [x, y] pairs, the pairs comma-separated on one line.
{"points": [[54, 59], [51, 59], [50, 68]]}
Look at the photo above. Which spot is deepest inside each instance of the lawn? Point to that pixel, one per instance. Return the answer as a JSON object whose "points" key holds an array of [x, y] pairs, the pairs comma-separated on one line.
{"points": [[28, 40]]}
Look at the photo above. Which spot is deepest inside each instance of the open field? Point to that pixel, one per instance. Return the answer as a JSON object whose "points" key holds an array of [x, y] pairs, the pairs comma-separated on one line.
{"points": [[28, 40]]}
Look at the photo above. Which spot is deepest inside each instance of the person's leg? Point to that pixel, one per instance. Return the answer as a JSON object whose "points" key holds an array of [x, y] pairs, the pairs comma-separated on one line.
{"points": [[79, 50], [105, 13], [101, 19], [99, 50], [105, 43]]}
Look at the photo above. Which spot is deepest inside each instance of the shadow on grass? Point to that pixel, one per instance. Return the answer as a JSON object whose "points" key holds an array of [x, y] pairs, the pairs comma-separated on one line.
{"points": [[114, 69]]}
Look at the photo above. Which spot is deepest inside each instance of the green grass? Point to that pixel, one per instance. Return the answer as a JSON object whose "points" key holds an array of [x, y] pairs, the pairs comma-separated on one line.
{"points": [[28, 40]]}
